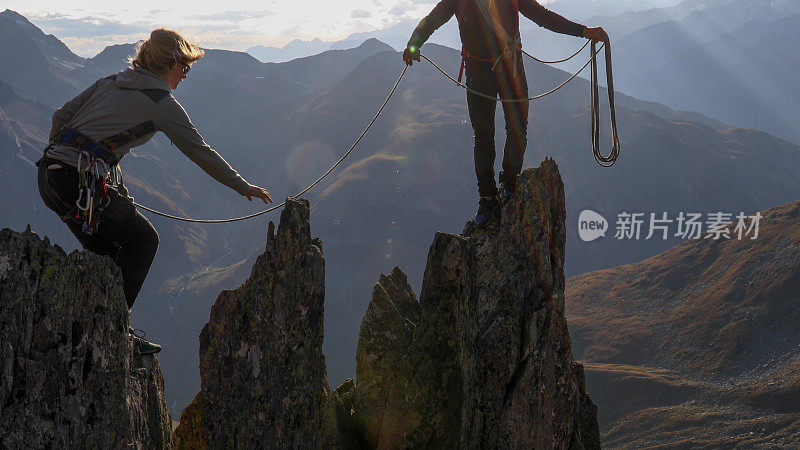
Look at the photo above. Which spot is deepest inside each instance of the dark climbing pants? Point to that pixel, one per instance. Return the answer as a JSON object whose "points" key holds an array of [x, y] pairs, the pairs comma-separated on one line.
{"points": [[502, 81], [123, 233]]}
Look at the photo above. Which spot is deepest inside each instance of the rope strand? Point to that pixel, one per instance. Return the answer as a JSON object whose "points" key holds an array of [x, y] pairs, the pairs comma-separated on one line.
{"points": [[512, 100], [273, 208], [560, 60], [605, 161]]}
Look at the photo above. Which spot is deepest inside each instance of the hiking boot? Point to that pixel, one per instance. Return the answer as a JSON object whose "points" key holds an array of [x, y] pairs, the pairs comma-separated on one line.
{"points": [[144, 346], [486, 207]]}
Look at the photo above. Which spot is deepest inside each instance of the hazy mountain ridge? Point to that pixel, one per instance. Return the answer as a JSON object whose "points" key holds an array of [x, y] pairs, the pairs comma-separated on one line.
{"points": [[697, 62]]}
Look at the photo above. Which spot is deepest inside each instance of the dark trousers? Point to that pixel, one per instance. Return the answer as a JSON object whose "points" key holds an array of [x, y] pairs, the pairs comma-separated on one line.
{"points": [[502, 81], [123, 233]]}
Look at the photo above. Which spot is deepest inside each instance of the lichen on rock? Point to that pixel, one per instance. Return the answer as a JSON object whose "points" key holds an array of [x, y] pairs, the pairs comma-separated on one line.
{"points": [[70, 376]]}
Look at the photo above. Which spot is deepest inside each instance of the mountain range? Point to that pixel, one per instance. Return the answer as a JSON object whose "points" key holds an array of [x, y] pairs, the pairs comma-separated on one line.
{"points": [[698, 345], [282, 125]]}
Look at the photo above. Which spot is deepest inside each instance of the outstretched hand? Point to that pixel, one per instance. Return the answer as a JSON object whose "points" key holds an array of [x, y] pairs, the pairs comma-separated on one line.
{"points": [[258, 192], [596, 34], [411, 54]]}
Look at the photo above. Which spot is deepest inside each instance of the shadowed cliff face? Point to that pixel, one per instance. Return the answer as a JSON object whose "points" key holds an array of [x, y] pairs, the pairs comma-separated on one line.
{"points": [[261, 363], [70, 376], [483, 360]]}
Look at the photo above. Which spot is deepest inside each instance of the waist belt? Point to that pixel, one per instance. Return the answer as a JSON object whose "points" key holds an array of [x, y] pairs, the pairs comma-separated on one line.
{"points": [[103, 149], [508, 53]]}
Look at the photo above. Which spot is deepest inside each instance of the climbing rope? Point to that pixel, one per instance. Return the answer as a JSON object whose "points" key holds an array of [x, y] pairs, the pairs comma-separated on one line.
{"points": [[510, 100], [604, 161], [560, 60], [273, 208]]}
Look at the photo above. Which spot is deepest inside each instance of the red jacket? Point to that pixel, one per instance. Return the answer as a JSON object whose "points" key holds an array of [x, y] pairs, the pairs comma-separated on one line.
{"points": [[477, 36]]}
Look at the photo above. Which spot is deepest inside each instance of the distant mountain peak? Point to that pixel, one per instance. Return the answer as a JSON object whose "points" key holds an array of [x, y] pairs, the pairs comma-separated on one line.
{"points": [[373, 43], [13, 14]]}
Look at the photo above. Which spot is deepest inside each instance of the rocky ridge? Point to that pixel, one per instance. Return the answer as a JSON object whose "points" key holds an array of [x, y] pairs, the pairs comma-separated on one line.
{"points": [[70, 376], [482, 360]]}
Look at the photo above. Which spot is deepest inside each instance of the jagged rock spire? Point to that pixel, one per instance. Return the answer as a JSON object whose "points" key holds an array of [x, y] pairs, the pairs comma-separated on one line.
{"points": [[262, 371], [483, 360]]}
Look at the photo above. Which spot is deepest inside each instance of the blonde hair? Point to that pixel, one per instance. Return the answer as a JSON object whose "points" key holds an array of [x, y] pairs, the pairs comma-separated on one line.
{"points": [[164, 48]]}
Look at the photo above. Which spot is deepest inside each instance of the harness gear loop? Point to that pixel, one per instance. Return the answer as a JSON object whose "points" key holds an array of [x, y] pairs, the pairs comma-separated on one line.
{"points": [[97, 169]]}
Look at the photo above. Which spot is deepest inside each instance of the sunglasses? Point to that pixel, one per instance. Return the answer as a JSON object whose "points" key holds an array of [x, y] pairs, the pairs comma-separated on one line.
{"points": [[186, 68]]}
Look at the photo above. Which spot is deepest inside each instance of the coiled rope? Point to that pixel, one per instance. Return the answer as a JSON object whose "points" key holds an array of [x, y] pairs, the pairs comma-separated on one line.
{"points": [[604, 161], [273, 208]]}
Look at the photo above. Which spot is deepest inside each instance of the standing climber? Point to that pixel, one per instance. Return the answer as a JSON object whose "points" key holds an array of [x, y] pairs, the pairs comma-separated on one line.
{"points": [[491, 54], [78, 174]]}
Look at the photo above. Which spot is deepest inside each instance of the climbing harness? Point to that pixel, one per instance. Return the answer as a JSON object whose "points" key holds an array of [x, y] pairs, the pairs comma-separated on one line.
{"points": [[273, 208], [604, 161], [98, 169]]}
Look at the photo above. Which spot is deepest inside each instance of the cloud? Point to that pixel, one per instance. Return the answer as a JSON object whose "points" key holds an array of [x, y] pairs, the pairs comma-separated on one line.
{"points": [[87, 27], [232, 16], [402, 8], [360, 14]]}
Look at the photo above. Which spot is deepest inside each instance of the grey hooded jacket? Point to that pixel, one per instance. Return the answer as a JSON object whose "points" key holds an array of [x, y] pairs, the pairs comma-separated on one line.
{"points": [[112, 105]]}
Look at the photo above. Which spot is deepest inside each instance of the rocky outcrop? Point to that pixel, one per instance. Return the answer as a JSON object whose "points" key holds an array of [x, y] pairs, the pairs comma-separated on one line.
{"points": [[483, 360], [262, 371], [70, 376]]}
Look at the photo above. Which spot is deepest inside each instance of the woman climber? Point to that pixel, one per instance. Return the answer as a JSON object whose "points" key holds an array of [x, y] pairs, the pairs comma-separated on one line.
{"points": [[78, 174], [491, 55]]}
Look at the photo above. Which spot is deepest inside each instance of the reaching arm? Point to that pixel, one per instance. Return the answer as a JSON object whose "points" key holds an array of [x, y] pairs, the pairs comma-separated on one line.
{"points": [[550, 20], [180, 130]]}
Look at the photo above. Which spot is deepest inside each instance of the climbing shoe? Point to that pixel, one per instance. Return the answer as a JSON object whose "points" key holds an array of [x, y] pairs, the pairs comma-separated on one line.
{"points": [[486, 207], [144, 346]]}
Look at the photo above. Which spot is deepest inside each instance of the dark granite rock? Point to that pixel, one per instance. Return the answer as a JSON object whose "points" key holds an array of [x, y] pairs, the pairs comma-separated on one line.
{"points": [[484, 359], [70, 376], [262, 370]]}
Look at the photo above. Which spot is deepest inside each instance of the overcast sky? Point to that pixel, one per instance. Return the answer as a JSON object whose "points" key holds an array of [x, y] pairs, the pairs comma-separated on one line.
{"points": [[87, 26]]}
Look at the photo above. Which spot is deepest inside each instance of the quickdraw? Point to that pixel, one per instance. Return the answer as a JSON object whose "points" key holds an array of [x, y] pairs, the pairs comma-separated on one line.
{"points": [[93, 184]]}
